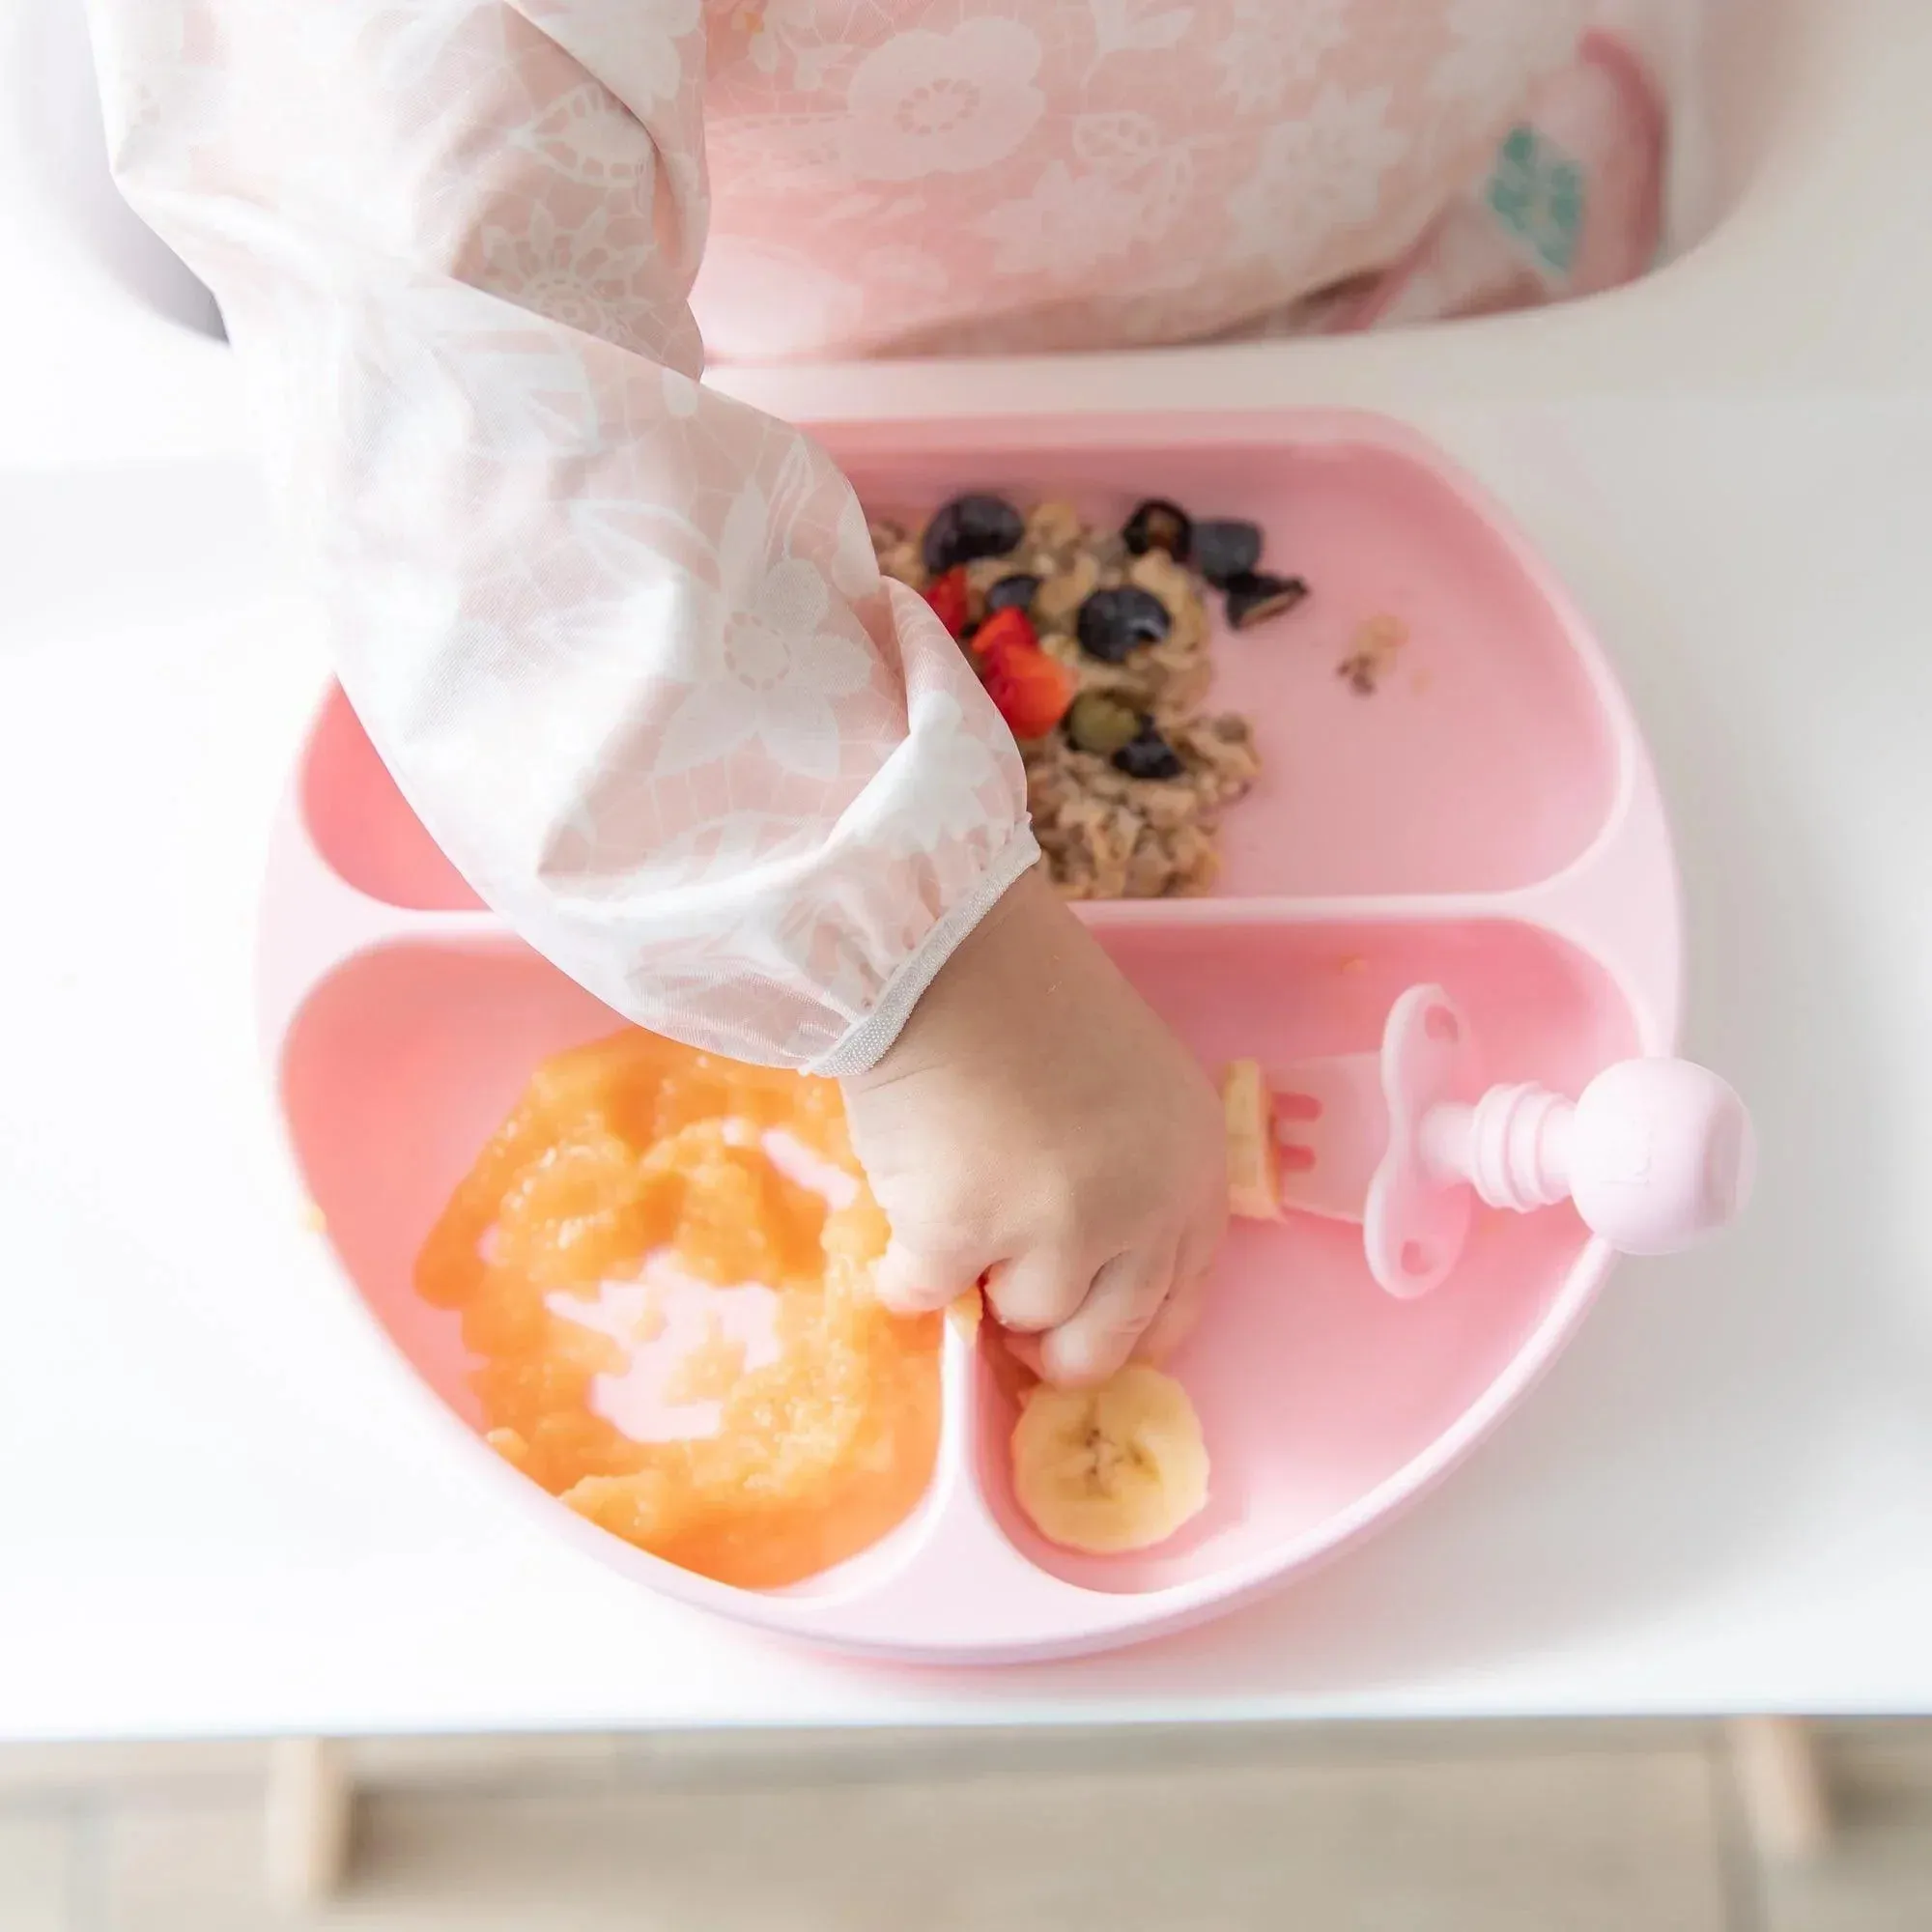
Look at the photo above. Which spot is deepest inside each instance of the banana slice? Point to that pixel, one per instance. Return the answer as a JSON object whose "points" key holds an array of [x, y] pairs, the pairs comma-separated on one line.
{"points": [[1112, 1469], [1254, 1172]]}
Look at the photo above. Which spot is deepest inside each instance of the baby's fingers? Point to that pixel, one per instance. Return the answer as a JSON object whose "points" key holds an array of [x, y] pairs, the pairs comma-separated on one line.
{"points": [[911, 1280], [1042, 1288], [1176, 1321], [1099, 1335], [1182, 1309]]}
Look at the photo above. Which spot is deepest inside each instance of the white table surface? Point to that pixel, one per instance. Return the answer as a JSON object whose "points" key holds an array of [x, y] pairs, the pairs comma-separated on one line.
{"points": [[222, 1509]]}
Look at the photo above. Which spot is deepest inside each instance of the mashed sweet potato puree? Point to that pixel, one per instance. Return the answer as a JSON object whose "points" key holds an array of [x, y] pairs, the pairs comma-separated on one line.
{"points": [[635, 1157]]}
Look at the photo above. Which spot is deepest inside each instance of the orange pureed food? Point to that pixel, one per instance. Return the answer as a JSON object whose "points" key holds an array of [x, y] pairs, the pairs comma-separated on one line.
{"points": [[633, 1148]]}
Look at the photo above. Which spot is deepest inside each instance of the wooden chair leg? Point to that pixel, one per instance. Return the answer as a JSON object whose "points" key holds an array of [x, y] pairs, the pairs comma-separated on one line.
{"points": [[310, 1798], [1782, 1785]]}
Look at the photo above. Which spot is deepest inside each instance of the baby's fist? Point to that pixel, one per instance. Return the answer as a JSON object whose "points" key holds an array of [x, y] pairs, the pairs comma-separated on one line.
{"points": [[1037, 1124]]}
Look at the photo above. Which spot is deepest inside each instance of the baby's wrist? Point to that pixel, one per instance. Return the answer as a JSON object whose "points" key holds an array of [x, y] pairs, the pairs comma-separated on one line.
{"points": [[1002, 963]]}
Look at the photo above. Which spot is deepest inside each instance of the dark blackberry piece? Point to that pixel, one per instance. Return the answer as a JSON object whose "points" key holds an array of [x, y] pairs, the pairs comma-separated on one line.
{"points": [[1116, 622], [969, 527], [1147, 755], [1225, 549], [1013, 592], [1254, 597], [1158, 524]]}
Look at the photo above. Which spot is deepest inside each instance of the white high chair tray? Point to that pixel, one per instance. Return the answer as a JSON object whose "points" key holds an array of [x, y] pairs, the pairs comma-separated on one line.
{"points": [[216, 1512]]}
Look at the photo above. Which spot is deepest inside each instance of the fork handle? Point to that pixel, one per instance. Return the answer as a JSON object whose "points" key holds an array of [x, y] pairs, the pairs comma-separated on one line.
{"points": [[1656, 1154]]}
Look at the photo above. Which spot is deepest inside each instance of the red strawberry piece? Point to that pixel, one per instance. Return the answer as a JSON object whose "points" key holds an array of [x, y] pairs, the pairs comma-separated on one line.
{"points": [[1007, 630], [1032, 690], [947, 594]]}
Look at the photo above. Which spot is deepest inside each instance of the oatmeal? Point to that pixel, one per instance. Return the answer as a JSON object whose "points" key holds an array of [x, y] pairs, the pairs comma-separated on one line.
{"points": [[1095, 645]]}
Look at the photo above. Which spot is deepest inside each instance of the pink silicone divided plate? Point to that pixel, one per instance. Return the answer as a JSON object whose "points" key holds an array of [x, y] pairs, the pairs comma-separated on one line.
{"points": [[1487, 821]]}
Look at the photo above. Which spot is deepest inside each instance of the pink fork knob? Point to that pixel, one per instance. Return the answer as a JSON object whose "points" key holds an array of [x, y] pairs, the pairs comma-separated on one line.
{"points": [[1661, 1153], [1656, 1153]]}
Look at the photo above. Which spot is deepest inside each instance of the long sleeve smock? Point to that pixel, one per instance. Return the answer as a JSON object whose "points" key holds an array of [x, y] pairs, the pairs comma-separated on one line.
{"points": [[622, 639]]}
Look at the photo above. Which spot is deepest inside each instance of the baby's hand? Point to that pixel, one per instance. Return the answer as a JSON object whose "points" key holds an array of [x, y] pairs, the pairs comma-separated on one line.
{"points": [[1035, 1119]]}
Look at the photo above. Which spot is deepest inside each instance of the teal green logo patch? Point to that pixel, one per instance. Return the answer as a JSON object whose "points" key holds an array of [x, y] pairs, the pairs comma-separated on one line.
{"points": [[1536, 191]]}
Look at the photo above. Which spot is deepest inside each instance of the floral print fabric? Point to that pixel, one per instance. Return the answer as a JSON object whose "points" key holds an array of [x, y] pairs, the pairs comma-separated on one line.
{"points": [[622, 639]]}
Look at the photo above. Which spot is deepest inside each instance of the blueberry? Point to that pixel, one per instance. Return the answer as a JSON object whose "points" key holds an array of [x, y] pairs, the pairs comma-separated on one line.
{"points": [[969, 527], [1115, 622], [1158, 524], [1013, 592], [1226, 547], [1254, 596], [1148, 755]]}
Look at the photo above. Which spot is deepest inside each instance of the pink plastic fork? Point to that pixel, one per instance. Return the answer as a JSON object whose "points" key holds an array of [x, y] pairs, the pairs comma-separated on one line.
{"points": [[1654, 1154]]}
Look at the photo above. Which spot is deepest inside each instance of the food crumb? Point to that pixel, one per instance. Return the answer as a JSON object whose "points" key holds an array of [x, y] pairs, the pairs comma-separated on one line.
{"points": [[1420, 681], [1354, 963], [965, 1312], [313, 1218], [1372, 652]]}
